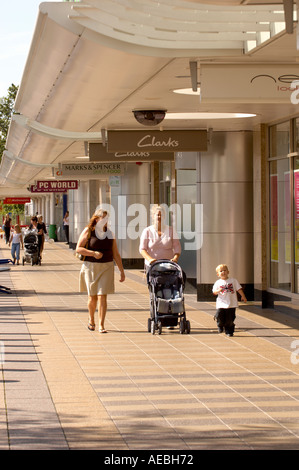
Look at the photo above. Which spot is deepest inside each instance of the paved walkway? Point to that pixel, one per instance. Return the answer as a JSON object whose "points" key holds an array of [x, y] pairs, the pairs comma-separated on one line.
{"points": [[65, 387]]}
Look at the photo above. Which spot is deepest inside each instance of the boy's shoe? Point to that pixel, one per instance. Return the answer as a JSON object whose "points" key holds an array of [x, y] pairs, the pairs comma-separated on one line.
{"points": [[220, 329], [229, 334]]}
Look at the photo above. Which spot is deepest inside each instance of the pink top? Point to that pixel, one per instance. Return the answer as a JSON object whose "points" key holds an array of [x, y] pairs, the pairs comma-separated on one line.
{"points": [[159, 247]]}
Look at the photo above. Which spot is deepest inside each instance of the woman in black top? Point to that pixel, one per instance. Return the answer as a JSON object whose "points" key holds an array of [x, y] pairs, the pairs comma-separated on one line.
{"points": [[98, 245], [41, 230]]}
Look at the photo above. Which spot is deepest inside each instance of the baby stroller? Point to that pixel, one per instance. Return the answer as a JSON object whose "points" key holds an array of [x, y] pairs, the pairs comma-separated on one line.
{"points": [[166, 282], [31, 249]]}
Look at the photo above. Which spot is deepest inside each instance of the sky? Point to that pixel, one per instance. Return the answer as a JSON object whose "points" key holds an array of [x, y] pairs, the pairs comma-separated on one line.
{"points": [[17, 24]]}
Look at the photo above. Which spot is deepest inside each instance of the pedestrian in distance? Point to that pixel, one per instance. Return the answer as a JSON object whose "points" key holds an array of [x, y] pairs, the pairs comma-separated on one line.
{"points": [[66, 227], [226, 289], [41, 231], [98, 247], [33, 223], [7, 228], [16, 240]]}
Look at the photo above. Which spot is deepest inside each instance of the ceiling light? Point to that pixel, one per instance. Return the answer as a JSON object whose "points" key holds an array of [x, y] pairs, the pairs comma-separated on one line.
{"points": [[207, 115], [187, 91]]}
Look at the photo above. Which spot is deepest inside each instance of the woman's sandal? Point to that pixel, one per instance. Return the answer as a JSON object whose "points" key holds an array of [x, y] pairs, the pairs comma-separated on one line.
{"points": [[91, 327], [102, 330]]}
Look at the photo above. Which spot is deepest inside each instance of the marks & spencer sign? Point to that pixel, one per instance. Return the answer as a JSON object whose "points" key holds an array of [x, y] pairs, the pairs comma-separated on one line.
{"points": [[157, 141], [91, 169]]}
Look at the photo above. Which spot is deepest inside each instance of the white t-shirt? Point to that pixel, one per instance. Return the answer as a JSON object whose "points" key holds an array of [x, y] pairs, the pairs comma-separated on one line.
{"points": [[16, 238], [227, 298]]}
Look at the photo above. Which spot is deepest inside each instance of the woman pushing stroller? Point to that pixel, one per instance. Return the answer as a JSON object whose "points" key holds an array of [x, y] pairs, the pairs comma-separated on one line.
{"points": [[161, 249], [159, 241]]}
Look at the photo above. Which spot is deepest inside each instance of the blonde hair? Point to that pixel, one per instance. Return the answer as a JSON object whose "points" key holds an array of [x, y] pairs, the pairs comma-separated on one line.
{"points": [[221, 266], [155, 208], [17, 228]]}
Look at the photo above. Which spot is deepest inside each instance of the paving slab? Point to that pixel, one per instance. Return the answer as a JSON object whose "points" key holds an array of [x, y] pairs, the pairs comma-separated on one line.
{"points": [[63, 387]]}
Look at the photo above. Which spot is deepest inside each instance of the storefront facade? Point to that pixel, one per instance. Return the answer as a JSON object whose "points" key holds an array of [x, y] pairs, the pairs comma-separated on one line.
{"points": [[283, 210]]}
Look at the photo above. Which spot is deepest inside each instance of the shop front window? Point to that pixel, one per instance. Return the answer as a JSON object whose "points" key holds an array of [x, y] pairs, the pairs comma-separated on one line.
{"points": [[280, 140], [280, 225], [296, 221]]}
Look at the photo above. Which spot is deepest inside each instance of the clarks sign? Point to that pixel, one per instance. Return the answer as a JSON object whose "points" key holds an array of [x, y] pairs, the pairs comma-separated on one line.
{"points": [[98, 153], [157, 141]]}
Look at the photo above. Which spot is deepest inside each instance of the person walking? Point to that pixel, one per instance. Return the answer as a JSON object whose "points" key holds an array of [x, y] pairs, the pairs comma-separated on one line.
{"points": [[16, 240], [66, 227], [7, 228], [98, 246], [33, 223], [41, 231], [226, 289], [159, 241]]}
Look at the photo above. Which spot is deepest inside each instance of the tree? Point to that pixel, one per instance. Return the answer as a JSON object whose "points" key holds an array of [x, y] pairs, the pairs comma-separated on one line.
{"points": [[6, 109]]}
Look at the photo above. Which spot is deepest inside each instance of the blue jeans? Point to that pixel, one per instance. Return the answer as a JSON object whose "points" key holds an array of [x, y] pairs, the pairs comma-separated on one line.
{"points": [[15, 251]]}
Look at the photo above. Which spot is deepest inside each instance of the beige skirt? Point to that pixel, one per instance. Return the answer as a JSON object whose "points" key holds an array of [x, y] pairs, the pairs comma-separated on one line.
{"points": [[97, 278]]}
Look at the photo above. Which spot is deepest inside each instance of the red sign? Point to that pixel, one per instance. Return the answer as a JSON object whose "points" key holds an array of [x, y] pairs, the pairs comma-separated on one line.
{"points": [[35, 189], [16, 200], [57, 185]]}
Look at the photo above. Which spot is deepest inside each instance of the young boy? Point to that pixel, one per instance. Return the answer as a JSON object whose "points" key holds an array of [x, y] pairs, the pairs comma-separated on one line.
{"points": [[226, 289]]}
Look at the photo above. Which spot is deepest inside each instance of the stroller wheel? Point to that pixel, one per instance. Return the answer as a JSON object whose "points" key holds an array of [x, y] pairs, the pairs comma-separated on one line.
{"points": [[188, 327], [182, 327], [149, 324], [23, 261], [153, 327], [159, 327]]}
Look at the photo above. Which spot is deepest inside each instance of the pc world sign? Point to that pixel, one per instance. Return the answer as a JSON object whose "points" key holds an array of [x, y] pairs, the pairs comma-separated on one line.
{"points": [[54, 186]]}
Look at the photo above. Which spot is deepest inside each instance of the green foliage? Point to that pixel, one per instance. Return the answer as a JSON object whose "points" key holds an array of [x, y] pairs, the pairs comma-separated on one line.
{"points": [[17, 209], [6, 109]]}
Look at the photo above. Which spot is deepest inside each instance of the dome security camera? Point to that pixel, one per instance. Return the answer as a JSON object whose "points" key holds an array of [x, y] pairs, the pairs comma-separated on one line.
{"points": [[149, 118]]}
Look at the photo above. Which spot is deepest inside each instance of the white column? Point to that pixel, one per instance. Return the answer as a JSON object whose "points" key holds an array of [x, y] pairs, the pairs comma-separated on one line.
{"points": [[78, 205], [52, 209]]}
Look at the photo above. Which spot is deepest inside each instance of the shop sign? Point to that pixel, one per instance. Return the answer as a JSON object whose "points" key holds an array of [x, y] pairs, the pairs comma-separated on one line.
{"points": [[53, 186], [91, 169], [157, 141], [34, 189], [98, 153], [16, 200], [260, 83]]}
